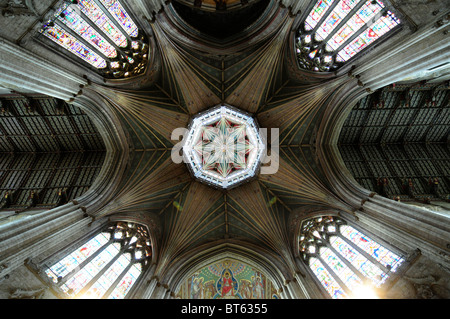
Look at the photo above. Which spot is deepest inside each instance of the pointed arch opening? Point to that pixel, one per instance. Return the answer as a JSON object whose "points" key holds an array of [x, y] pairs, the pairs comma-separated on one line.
{"points": [[105, 266], [102, 34], [335, 31], [344, 261]]}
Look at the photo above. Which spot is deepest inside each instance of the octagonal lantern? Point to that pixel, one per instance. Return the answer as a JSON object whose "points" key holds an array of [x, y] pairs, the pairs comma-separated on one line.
{"points": [[223, 147]]}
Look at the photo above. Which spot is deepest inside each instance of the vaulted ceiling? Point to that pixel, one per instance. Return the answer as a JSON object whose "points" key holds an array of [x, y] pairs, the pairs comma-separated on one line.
{"points": [[46, 145], [249, 68], [400, 132], [253, 79]]}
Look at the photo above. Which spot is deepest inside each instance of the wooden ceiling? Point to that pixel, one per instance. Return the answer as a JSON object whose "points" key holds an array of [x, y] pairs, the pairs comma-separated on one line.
{"points": [[46, 145], [254, 79], [401, 133]]}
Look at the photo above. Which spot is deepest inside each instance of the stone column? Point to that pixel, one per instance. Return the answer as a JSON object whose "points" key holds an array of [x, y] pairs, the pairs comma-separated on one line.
{"points": [[148, 8], [159, 291], [284, 293], [294, 289], [308, 286], [28, 222], [405, 54], [146, 284], [23, 70], [295, 6], [151, 288], [35, 242]]}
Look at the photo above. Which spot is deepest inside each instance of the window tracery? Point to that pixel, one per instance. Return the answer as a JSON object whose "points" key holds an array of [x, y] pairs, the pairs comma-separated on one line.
{"points": [[337, 30], [343, 259], [102, 34], [106, 266]]}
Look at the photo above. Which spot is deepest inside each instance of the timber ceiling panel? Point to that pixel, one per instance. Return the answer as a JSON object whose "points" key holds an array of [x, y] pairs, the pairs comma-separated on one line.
{"points": [[254, 80], [20, 16], [400, 133], [46, 146]]}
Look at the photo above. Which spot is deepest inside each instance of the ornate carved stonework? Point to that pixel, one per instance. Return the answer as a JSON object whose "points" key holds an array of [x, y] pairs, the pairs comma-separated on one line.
{"points": [[28, 294], [428, 288], [14, 8]]}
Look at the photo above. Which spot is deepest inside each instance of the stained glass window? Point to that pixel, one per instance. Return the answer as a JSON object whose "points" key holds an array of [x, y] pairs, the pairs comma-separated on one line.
{"points": [[106, 266], [335, 31], [344, 259], [101, 33], [121, 16], [71, 43]]}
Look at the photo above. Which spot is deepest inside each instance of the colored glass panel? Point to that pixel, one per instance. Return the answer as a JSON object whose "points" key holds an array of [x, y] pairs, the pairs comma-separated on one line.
{"points": [[326, 279], [340, 268], [115, 65], [67, 41], [312, 54], [317, 13], [380, 253], [82, 277], [69, 263], [362, 264], [367, 37], [335, 17], [81, 27], [100, 287], [121, 16], [126, 282], [356, 22], [96, 14], [107, 3]]}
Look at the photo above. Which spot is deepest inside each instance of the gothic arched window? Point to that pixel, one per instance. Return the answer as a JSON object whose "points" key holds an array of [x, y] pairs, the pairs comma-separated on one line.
{"points": [[343, 259], [337, 30], [101, 33], [106, 266]]}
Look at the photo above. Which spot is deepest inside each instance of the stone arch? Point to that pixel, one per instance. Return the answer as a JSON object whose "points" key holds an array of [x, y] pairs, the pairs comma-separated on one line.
{"points": [[205, 255], [150, 220], [116, 142]]}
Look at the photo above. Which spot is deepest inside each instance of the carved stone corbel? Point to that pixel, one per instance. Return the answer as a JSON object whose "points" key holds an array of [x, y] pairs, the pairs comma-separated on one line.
{"points": [[28, 294], [16, 8]]}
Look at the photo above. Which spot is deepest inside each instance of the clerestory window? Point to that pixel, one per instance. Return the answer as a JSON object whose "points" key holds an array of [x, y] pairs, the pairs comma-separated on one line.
{"points": [[344, 260], [337, 30], [101, 33]]}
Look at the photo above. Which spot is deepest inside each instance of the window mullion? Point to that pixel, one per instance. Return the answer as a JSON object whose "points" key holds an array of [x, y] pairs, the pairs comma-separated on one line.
{"points": [[99, 31], [321, 21], [80, 38], [83, 264], [114, 21], [334, 275], [117, 281], [343, 22], [365, 254], [352, 268], [361, 30], [100, 273]]}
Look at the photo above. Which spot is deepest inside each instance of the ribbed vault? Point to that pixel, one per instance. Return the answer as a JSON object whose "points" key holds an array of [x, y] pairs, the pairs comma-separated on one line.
{"points": [[256, 74], [192, 213]]}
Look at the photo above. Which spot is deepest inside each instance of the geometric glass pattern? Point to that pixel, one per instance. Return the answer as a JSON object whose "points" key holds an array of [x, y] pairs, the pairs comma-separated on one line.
{"points": [[101, 33], [106, 266], [223, 147], [342, 258], [336, 30]]}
